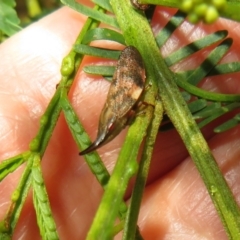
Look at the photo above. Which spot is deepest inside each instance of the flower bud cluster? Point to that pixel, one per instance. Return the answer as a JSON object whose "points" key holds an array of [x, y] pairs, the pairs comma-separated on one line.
{"points": [[202, 10]]}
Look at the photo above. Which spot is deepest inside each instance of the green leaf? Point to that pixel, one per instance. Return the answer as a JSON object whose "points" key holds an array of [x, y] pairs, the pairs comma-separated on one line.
{"points": [[213, 58], [228, 124], [90, 12], [18, 198], [83, 141], [195, 46], [105, 71], [225, 68], [10, 165], [41, 203], [170, 27], [186, 96], [217, 112], [97, 52], [103, 34], [197, 105], [208, 111], [9, 21], [181, 82], [105, 4]]}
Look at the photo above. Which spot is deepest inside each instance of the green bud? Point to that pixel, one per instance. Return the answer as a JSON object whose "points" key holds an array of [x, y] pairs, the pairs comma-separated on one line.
{"points": [[219, 4], [211, 15], [186, 5], [193, 18], [201, 9]]}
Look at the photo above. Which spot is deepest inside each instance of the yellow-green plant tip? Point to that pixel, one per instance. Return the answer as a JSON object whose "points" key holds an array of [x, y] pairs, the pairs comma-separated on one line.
{"points": [[34, 8], [15, 196], [219, 4], [193, 18], [186, 5], [201, 9], [211, 15]]}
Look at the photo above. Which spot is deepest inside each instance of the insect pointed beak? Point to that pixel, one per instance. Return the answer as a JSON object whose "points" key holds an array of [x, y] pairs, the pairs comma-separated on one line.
{"points": [[101, 139], [92, 147]]}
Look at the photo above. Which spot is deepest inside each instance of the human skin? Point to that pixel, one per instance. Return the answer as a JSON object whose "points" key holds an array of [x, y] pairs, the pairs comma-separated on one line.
{"points": [[175, 205]]}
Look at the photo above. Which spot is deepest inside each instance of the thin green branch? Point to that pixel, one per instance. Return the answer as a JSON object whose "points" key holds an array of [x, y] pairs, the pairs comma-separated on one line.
{"points": [[229, 124], [69, 68], [141, 179], [10, 165], [82, 139], [126, 167], [18, 198], [45, 219]]}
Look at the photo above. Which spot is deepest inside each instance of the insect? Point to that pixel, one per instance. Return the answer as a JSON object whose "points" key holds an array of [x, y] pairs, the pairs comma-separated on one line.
{"points": [[123, 96]]}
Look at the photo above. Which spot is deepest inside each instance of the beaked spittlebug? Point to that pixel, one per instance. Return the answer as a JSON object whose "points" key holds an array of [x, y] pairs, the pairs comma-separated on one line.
{"points": [[124, 93]]}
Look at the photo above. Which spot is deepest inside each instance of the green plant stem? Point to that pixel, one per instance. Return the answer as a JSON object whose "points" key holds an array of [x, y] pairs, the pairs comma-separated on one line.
{"points": [[126, 167], [10, 165], [69, 69], [46, 224], [142, 37], [18, 197], [133, 210]]}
